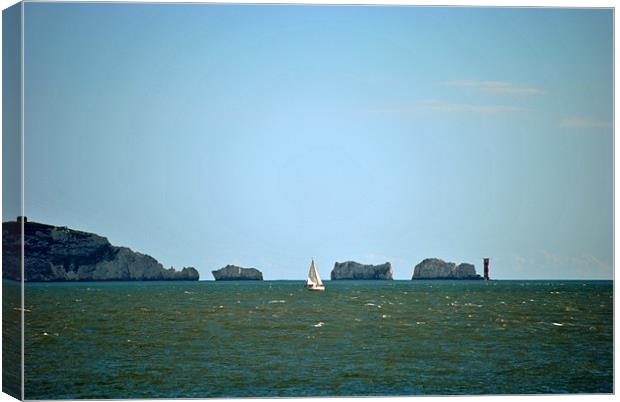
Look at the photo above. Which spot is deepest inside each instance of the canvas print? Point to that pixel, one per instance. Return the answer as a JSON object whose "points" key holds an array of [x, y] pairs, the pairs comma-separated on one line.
{"points": [[279, 200]]}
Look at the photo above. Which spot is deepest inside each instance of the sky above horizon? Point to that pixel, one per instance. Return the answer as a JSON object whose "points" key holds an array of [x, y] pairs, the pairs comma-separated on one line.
{"points": [[267, 135]]}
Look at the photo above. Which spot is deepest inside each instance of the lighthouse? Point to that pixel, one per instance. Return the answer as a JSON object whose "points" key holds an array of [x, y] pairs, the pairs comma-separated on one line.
{"points": [[486, 269]]}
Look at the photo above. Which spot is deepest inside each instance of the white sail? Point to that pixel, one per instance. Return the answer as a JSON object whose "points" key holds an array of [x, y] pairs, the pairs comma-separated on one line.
{"points": [[314, 280], [313, 276]]}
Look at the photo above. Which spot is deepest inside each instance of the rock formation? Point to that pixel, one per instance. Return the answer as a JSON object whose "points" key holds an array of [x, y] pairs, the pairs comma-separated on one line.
{"points": [[355, 270], [435, 268], [235, 273], [61, 254]]}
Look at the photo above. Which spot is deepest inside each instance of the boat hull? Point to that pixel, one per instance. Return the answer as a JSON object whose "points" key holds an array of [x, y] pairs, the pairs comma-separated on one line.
{"points": [[315, 288]]}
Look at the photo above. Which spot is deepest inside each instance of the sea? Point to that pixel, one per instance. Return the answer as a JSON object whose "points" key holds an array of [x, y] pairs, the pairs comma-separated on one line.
{"points": [[210, 339]]}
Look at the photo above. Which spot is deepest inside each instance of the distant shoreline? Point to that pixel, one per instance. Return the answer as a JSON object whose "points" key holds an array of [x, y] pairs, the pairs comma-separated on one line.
{"points": [[343, 281]]}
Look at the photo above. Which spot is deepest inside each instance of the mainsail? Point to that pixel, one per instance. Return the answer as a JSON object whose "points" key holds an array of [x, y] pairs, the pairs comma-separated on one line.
{"points": [[313, 277]]}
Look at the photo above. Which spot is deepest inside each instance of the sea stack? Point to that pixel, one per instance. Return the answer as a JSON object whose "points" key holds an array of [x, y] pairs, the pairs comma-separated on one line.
{"points": [[435, 268], [57, 253], [235, 273], [355, 270]]}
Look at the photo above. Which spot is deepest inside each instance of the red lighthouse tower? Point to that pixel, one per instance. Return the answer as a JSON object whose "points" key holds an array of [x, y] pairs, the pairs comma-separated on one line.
{"points": [[486, 269]]}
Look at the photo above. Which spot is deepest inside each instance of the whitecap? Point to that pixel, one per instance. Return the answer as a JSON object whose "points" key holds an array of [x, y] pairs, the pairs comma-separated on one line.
{"points": [[188, 293], [557, 324], [369, 304], [277, 301], [319, 325]]}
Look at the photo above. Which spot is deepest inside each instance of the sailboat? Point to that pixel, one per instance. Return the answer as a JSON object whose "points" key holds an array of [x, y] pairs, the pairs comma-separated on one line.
{"points": [[314, 280]]}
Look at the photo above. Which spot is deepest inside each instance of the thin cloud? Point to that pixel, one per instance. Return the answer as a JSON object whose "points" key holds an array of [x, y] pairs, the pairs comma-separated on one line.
{"points": [[519, 260], [585, 262], [497, 87], [447, 107], [544, 264], [584, 122]]}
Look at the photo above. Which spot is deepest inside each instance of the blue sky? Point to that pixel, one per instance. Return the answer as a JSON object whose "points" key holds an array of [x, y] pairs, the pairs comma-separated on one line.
{"points": [[263, 136]]}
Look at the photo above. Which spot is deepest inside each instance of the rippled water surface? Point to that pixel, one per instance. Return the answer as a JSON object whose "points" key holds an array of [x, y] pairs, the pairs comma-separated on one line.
{"points": [[207, 339]]}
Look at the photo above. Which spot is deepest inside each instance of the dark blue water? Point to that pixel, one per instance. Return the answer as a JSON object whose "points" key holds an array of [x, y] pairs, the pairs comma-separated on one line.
{"points": [[237, 339]]}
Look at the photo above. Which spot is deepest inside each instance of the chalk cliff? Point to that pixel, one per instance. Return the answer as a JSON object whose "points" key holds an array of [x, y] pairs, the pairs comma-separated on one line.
{"points": [[60, 254], [235, 273], [435, 268], [355, 270]]}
